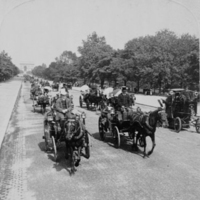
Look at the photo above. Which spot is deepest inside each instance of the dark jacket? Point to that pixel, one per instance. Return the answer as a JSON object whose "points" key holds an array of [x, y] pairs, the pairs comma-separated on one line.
{"points": [[124, 100], [61, 105]]}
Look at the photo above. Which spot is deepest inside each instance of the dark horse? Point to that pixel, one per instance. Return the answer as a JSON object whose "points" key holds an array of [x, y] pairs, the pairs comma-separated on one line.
{"points": [[93, 98], [55, 86], [43, 101], [145, 125], [75, 141]]}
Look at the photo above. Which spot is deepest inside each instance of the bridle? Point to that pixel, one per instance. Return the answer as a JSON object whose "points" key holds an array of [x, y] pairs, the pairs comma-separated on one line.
{"points": [[73, 133]]}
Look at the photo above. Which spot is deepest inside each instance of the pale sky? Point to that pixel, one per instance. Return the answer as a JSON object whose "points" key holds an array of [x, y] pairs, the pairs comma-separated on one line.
{"points": [[39, 31]]}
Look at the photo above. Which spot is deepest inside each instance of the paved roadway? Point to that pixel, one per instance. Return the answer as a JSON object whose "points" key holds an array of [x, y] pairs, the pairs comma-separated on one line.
{"points": [[27, 172]]}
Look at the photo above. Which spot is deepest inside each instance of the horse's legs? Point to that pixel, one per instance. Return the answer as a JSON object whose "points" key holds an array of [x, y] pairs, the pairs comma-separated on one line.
{"points": [[153, 144], [79, 157], [73, 157], [135, 139], [145, 144]]}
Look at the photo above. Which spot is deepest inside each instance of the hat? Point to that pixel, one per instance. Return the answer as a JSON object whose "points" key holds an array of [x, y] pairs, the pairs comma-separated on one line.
{"points": [[124, 88], [63, 92]]}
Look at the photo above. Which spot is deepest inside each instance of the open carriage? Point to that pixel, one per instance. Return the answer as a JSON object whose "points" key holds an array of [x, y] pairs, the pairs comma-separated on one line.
{"points": [[182, 109], [41, 101], [110, 126], [54, 137]]}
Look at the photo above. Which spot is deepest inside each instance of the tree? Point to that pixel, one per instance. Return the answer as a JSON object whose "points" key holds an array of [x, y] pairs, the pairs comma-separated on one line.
{"points": [[95, 54]]}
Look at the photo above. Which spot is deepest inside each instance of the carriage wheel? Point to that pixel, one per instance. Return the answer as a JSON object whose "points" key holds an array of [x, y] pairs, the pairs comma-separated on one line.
{"points": [[46, 135], [116, 136], [101, 130], [197, 125], [84, 121], [43, 109], [54, 148], [88, 144], [88, 105], [177, 124], [80, 101]]}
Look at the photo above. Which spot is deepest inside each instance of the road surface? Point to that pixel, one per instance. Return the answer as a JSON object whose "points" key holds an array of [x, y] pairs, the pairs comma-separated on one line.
{"points": [[27, 172]]}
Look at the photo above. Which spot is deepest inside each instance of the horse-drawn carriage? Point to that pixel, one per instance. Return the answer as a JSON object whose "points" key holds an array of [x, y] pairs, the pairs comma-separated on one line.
{"points": [[91, 97], [131, 123], [41, 101], [75, 136], [40, 98], [55, 86], [181, 110], [110, 126]]}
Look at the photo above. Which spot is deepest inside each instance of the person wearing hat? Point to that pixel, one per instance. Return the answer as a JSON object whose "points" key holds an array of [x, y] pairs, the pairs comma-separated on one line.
{"points": [[63, 108], [124, 102], [124, 98]]}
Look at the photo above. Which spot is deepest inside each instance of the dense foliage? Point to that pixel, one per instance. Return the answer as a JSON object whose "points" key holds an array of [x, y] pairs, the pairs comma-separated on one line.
{"points": [[7, 68], [161, 61]]}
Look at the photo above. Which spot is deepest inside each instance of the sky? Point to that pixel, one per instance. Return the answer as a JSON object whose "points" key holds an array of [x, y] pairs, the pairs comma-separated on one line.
{"points": [[40, 30]]}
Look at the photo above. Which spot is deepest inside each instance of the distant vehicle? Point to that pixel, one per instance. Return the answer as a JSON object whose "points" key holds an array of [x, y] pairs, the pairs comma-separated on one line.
{"points": [[181, 112]]}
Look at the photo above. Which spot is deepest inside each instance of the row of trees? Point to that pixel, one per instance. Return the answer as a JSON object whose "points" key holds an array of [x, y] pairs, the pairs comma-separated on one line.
{"points": [[160, 61], [7, 68]]}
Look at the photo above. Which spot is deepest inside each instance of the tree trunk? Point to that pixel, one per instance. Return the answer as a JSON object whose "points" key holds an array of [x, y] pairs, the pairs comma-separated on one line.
{"points": [[138, 85], [160, 85], [102, 82], [125, 82]]}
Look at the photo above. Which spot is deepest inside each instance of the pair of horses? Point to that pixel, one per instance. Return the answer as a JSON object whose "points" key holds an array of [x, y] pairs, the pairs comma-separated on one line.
{"points": [[94, 97], [55, 86]]}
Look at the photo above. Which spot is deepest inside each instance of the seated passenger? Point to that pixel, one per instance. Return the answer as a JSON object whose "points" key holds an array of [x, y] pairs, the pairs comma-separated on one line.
{"points": [[124, 102], [63, 108]]}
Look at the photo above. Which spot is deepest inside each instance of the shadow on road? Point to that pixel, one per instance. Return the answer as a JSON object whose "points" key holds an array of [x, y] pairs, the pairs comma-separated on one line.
{"points": [[61, 163], [126, 143]]}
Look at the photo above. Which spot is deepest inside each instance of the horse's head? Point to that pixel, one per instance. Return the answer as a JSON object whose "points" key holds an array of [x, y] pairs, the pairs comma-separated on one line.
{"points": [[158, 116], [72, 129]]}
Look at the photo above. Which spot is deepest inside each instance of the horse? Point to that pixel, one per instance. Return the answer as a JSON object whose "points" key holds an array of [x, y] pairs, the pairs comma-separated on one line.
{"points": [[43, 101], [55, 86], [75, 141], [145, 124], [93, 98]]}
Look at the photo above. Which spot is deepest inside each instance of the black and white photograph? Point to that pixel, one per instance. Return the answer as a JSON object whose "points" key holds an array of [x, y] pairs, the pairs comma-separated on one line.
{"points": [[99, 100]]}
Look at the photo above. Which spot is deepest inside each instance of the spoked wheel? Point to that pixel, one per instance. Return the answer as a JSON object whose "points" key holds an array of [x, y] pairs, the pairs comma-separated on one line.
{"points": [[80, 102], [54, 148], [88, 145], [46, 135], [84, 121], [177, 124], [101, 130], [116, 135], [197, 125], [43, 109]]}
